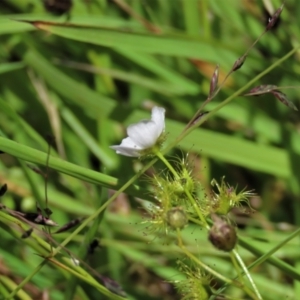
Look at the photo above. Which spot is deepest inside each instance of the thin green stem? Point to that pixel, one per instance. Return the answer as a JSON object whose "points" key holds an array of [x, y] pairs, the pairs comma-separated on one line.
{"points": [[268, 254], [207, 268], [27, 279], [100, 209], [237, 267], [240, 276], [210, 97], [169, 166], [228, 100], [46, 175], [10, 285], [180, 243], [211, 271], [86, 221], [265, 256], [239, 259], [191, 198], [195, 205]]}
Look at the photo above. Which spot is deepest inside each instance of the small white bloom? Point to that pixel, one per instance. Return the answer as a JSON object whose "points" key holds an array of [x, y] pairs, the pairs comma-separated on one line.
{"points": [[142, 135]]}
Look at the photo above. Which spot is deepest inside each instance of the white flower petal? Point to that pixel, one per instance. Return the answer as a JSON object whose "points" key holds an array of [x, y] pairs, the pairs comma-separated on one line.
{"points": [[126, 151], [143, 134], [129, 143], [158, 116], [127, 148]]}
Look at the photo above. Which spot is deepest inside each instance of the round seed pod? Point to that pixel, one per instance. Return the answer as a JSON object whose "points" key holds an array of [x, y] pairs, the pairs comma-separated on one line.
{"points": [[176, 218], [222, 235]]}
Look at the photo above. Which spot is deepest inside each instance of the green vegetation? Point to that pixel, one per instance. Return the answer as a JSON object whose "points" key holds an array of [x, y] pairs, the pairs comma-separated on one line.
{"points": [[213, 214]]}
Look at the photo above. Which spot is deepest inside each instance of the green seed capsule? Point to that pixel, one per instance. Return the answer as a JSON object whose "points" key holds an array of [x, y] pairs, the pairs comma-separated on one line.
{"points": [[176, 218]]}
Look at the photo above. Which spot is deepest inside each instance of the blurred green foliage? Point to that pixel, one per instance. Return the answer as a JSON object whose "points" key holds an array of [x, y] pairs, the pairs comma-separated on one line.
{"points": [[85, 75]]}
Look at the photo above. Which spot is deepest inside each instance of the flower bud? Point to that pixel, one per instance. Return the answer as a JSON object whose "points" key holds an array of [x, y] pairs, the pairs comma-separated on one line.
{"points": [[222, 235], [227, 197], [275, 18], [214, 81], [239, 62], [176, 218]]}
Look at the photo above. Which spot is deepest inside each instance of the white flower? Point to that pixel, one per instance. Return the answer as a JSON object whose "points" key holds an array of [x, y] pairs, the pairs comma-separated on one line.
{"points": [[143, 135]]}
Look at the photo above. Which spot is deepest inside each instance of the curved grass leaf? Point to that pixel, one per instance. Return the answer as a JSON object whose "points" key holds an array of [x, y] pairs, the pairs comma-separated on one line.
{"points": [[92, 102], [175, 45], [38, 157]]}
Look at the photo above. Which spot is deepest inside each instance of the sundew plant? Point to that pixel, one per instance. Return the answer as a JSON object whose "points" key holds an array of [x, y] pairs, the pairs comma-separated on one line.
{"points": [[149, 149]]}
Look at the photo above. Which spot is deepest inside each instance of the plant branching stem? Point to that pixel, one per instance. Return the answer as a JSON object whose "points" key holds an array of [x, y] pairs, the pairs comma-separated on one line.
{"points": [[191, 198]]}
